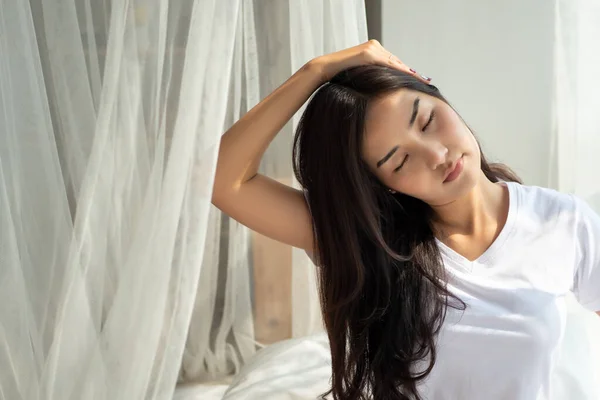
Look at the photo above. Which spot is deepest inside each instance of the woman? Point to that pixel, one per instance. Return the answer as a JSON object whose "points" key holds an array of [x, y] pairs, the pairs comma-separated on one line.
{"points": [[441, 276]]}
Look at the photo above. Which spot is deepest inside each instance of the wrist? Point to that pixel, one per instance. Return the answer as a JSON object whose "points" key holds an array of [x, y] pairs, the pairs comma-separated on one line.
{"points": [[317, 70]]}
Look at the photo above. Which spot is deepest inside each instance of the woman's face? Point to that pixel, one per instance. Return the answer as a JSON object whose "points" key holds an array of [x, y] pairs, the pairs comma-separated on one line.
{"points": [[416, 144]]}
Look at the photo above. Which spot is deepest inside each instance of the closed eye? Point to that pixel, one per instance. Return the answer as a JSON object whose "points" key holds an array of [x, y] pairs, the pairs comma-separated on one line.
{"points": [[403, 162], [431, 117]]}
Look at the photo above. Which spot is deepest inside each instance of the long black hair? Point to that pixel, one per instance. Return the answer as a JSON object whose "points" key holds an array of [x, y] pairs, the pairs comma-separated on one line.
{"points": [[382, 283]]}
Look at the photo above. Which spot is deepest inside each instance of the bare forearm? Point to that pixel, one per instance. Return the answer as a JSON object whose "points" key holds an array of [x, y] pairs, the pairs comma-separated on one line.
{"points": [[245, 143]]}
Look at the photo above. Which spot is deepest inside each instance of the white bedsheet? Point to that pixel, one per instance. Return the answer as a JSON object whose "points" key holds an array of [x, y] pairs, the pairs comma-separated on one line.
{"points": [[292, 369]]}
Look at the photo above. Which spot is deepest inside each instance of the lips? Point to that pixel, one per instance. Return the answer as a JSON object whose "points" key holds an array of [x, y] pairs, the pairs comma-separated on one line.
{"points": [[455, 170]]}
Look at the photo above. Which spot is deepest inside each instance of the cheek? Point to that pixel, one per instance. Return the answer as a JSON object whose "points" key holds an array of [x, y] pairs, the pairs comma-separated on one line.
{"points": [[416, 183], [474, 143], [452, 128], [450, 124]]}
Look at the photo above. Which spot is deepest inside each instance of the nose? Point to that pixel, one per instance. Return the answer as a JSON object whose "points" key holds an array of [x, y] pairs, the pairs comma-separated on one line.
{"points": [[436, 155]]}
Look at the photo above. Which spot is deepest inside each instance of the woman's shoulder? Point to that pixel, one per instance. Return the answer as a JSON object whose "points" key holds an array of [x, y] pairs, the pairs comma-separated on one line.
{"points": [[543, 200], [553, 196]]}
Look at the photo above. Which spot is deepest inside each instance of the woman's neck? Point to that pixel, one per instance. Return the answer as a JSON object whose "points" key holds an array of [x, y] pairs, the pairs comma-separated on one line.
{"points": [[479, 213]]}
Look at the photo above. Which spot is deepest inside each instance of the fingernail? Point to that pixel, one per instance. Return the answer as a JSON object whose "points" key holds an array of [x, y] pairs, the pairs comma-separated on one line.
{"points": [[426, 78], [413, 71]]}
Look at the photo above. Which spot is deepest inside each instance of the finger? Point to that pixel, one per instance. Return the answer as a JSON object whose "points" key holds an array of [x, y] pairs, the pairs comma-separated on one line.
{"points": [[395, 62]]}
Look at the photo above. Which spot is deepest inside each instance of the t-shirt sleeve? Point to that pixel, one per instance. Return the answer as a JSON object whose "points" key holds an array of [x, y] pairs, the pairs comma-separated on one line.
{"points": [[587, 275]]}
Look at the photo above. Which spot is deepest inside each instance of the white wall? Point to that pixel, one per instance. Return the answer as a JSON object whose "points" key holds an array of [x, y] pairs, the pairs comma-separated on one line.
{"points": [[493, 61]]}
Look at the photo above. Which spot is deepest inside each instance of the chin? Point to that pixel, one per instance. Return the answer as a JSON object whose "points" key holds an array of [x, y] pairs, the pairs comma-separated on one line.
{"points": [[470, 178]]}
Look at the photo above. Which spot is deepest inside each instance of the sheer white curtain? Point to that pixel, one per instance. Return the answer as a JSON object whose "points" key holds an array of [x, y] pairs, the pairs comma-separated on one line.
{"points": [[576, 141], [574, 168], [117, 276]]}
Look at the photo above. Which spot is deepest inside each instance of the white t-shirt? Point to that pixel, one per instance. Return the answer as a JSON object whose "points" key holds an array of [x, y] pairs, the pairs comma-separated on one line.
{"points": [[505, 345]]}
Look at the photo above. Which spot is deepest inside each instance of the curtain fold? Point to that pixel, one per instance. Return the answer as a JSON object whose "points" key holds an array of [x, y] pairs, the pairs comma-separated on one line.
{"points": [[576, 125]]}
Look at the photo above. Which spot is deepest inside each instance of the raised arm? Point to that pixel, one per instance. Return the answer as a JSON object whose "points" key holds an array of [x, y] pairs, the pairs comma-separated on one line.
{"points": [[257, 201]]}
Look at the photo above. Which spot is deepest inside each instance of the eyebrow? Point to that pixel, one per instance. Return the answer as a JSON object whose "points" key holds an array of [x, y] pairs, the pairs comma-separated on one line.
{"points": [[413, 117], [387, 156], [415, 111]]}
